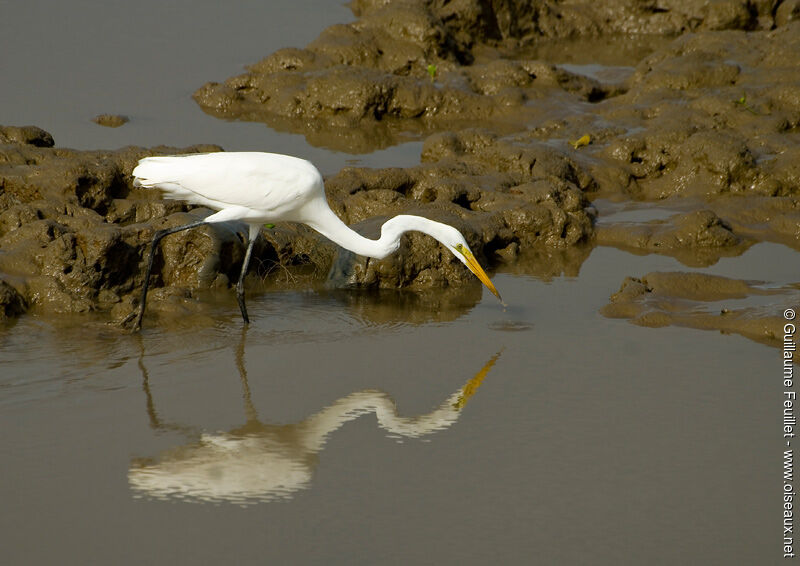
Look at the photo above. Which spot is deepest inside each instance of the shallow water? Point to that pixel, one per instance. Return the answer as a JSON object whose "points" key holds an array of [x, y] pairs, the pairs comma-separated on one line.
{"points": [[71, 61], [206, 445], [361, 430]]}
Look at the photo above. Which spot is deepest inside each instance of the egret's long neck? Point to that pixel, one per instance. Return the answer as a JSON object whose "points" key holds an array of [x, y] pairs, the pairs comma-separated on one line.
{"points": [[329, 225]]}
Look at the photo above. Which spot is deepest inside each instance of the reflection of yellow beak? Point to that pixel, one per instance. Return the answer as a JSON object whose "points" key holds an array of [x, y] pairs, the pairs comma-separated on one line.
{"points": [[472, 385], [475, 268]]}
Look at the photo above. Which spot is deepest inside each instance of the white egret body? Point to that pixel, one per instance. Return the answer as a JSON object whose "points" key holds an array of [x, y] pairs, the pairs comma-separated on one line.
{"points": [[266, 188]]}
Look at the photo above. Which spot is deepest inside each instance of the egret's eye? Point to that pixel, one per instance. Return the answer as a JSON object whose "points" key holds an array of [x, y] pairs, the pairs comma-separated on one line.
{"points": [[460, 248]]}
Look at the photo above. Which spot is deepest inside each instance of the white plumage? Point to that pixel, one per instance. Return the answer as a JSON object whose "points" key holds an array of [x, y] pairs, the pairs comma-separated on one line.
{"points": [[272, 187]]}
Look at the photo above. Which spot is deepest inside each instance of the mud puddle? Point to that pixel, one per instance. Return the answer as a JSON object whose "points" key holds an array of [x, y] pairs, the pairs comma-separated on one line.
{"points": [[610, 212]]}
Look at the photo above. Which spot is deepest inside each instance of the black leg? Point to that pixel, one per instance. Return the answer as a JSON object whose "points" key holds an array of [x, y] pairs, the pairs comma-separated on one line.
{"points": [[240, 284], [156, 239]]}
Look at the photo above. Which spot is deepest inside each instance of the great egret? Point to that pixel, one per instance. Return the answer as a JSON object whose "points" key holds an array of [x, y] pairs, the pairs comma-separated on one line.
{"points": [[261, 188]]}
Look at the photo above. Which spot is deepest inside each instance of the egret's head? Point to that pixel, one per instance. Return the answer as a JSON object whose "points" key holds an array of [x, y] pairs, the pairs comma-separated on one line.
{"points": [[461, 250], [444, 233]]}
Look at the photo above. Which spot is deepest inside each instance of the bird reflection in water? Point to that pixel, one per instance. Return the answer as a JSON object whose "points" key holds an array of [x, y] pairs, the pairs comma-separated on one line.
{"points": [[260, 462]]}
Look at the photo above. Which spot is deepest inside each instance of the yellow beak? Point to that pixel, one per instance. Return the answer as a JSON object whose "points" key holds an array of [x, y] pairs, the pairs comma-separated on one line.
{"points": [[475, 268]]}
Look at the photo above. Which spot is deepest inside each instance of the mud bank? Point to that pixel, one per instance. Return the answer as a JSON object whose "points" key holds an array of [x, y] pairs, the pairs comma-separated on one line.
{"points": [[74, 231], [416, 66], [706, 302], [706, 106], [536, 123], [700, 113]]}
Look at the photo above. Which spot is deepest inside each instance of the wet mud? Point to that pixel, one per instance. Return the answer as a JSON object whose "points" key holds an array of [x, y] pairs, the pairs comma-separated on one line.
{"points": [[538, 119], [706, 302], [110, 120], [698, 238], [74, 232]]}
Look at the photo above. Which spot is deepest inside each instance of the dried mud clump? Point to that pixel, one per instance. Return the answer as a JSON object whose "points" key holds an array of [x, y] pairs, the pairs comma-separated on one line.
{"points": [[697, 238], [425, 65], [499, 213], [696, 300], [713, 113], [28, 135], [711, 120], [72, 231], [110, 120], [11, 302], [710, 110], [407, 66]]}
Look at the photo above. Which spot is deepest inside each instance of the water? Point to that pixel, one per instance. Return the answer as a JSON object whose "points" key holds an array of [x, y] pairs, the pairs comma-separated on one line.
{"points": [[65, 63], [340, 431], [582, 427]]}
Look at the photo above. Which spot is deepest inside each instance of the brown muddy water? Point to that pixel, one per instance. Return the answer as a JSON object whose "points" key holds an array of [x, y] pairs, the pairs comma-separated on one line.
{"points": [[344, 428]]}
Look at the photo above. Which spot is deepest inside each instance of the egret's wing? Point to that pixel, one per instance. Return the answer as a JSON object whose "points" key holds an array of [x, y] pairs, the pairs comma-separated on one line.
{"points": [[259, 181]]}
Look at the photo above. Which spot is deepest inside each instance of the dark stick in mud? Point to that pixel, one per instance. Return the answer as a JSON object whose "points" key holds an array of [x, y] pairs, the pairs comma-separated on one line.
{"points": [[264, 188]]}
